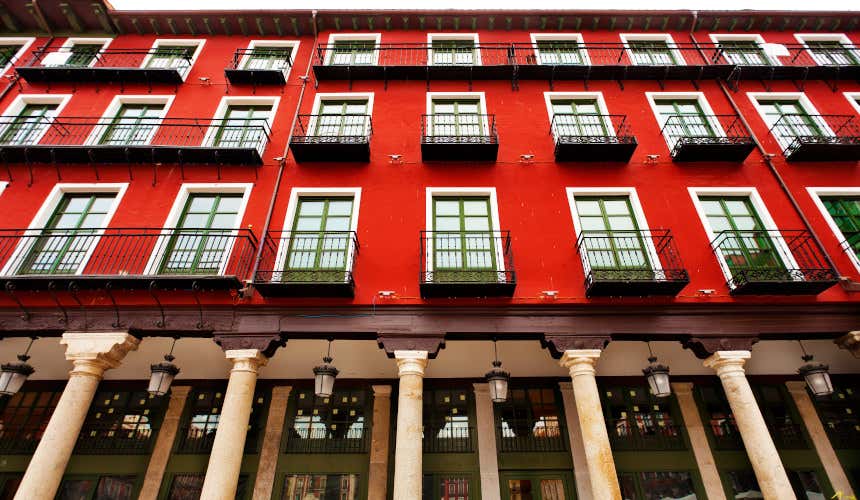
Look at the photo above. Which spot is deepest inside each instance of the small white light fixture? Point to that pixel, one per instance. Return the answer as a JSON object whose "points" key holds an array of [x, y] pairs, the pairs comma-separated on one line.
{"points": [[162, 374], [550, 294], [657, 376], [498, 379], [386, 293], [527, 157], [13, 375], [324, 375], [817, 376], [707, 291]]}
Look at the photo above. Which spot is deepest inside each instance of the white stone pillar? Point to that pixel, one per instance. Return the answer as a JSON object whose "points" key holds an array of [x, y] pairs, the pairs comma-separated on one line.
{"points": [[699, 441], [487, 456], [377, 487], [598, 453], [851, 342], [164, 443], [577, 446], [829, 460], [769, 471], [225, 461], [91, 354], [265, 480], [408, 448]]}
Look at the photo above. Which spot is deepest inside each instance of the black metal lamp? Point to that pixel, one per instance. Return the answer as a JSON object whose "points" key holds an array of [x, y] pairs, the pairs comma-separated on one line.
{"points": [[498, 379], [817, 375], [13, 375], [324, 375], [657, 375], [163, 374]]}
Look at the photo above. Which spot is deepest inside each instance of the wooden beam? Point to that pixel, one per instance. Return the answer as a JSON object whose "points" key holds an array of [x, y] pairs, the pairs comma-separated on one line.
{"points": [[295, 23], [137, 26], [102, 16], [155, 27], [189, 23], [12, 23], [71, 17], [261, 27], [243, 25], [225, 25], [171, 23], [208, 25], [278, 29]]}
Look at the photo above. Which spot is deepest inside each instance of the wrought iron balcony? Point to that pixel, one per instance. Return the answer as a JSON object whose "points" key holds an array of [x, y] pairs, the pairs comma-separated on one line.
{"points": [[778, 262], [707, 138], [65, 64], [125, 258], [795, 62], [818, 137], [631, 263], [334, 138], [529, 438], [726, 436], [592, 137], [114, 440], [466, 264], [307, 264], [143, 140], [16, 442], [625, 435], [449, 440], [316, 440], [260, 66], [459, 137], [194, 440]]}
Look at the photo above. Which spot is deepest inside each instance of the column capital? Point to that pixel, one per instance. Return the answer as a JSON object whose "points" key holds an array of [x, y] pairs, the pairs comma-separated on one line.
{"points": [[705, 346], [851, 342], [392, 342], [580, 361], [728, 362], [381, 391], [558, 343], [246, 360], [411, 362], [94, 352]]}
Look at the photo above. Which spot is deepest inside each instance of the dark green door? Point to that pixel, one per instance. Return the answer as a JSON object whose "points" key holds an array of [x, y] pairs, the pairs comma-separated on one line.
{"points": [[83, 54], [790, 120], [543, 485], [132, 125], [203, 236], [577, 118], [453, 52], [846, 213], [29, 125], [342, 119], [463, 240], [461, 118], [684, 118], [611, 238], [320, 242], [242, 127]]}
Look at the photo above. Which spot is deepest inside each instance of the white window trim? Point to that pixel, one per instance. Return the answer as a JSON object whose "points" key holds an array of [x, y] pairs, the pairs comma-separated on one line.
{"points": [[176, 213], [176, 42], [490, 192], [760, 209], [853, 100], [700, 98], [846, 42], [22, 100], [800, 97], [638, 214], [3, 185], [816, 193], [289, 221], [770, 50], [292, 44], [117, 103], [226, 102], [25, 42], [340, 96], [561, 37], [47, 210], [348, 37], [663, 37], [453, 36], [549, 97], [480, 96], [62, 54]]}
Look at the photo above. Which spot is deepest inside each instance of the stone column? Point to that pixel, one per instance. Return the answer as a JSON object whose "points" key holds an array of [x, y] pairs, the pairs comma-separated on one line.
{"points": [[598, 454], [486, 430], [829, 460], [769, 471], [577, 446], [377, 487], [164, 443], [222, 473], [265, 482], [91, 354], [699, 441], [850, 341], [408, 447]]}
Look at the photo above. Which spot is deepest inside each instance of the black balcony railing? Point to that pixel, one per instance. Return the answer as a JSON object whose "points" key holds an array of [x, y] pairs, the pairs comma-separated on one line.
{"points": [[126, 258], [449, 440], [818, 137], [114, 440], [260, 66], [334, 138], [67, 64], [625, 436], [707, 138], [466, 264], [459, 137], [592, 137], [143, 140], [851, 243], [788, 436], [631, 263], [726, 436], [15, 441], [844, 435], [544, 439], [307, 264], [198, 441], [796, 61], [780, 262], [322, 440]]}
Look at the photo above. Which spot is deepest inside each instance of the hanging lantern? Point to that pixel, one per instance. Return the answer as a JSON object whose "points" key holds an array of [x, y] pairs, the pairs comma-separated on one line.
{"points": [[324, 376], [13, 375], [817, 375], [163, 374], [498, 379], [657, 376]]}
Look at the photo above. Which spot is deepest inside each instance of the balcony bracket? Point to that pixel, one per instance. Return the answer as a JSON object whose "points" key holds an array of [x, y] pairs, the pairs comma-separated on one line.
{"points": [[73, 291], [195, 288], [52, 291], [10, 291], [153, 286], [552, 77], [109, 293], [833, 86]]}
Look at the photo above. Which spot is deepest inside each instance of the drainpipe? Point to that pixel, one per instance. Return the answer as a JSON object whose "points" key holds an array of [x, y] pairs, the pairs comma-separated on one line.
{"points": [[282, 160]]}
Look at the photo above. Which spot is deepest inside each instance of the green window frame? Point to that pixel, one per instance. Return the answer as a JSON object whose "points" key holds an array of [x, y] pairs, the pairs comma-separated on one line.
{"points": [[23, 419], [171, 57], [189, 486], [456, 118], [445, 486], [123, 421], [845, 211], [531, 420], [463, 239], [242, 127], [660, 484], [638, 420], [99, 487], [560, 52], [202, 414], [69, 235], [579, 118], [537, 485], [7, 54], [614, 241], [832, 53], [791, 120], [745, 244], [684, 118], [132, 125], [651, 53], [341, 118], [352, 53], [269, 58], [83, 54], [447, 417], [29, 125], [453, 52], [339, 423], [204, 234], [320, 244], [334, 486], [743, 52]]}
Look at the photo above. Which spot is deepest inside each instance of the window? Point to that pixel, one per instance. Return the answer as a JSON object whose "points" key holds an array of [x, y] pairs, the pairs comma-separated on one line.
{"points": [[9, 485], [742, 50], [190, 486], [269, 55], [242, 126], [23, 418], [684, 118], [657, 486], [83, 54], [7, 53], [636, 419], [777, 410], [790, 120], [133, 124], [446, 420], [456, 118], [29, 125], [718, 418], [454, 50], [321, 238], [203, 234], [342, 118], [121, 421], [167, 56], [578, 118], [320, 487], [463, 238], [804, 483], [97, 488], [12, 49], [203, 414], [445, 487], [530, 420], [840, 413], [845, 212], [333, 424], [76, 52], [830, 49], [651, 50], [559, 49], [353, 53], [614, 240]]}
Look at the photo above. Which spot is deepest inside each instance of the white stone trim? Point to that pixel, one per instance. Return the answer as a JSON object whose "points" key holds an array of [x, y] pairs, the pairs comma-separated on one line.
{"points": [[117, 103], [348, 37], [560, 37], [676, 55], [853, 100], [846, 42], [757, 97], [22, 100], [770, 50], [62, 54], [3, 185], [177, 42], [453, 36], [549, 97], [816, 193], [25, 41], [480, 96], [699, 97], [292, 44]]}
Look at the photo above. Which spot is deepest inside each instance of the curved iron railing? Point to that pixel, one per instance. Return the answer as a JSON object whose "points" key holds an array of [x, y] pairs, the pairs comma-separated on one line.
{"points": [[68, 57], [262, 59], [797, 131], [308, 257], [630, 256], [462, 128], [695, 129], [333, 129], [587, 128], [466, 257]]}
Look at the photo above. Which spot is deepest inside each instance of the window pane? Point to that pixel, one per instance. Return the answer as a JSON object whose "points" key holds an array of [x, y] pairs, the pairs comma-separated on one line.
{"points": [[667, 486], [320, 487]]}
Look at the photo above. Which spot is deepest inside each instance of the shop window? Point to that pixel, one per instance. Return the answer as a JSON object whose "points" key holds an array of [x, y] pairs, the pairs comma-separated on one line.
{"points": [[23, 418], [198, 434], [320, 487], [530, 420], [446, 487], [840, 413], [97, 488], [657, 486], [636, 419], [189, 487], [336, 424], [446, 421]]}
